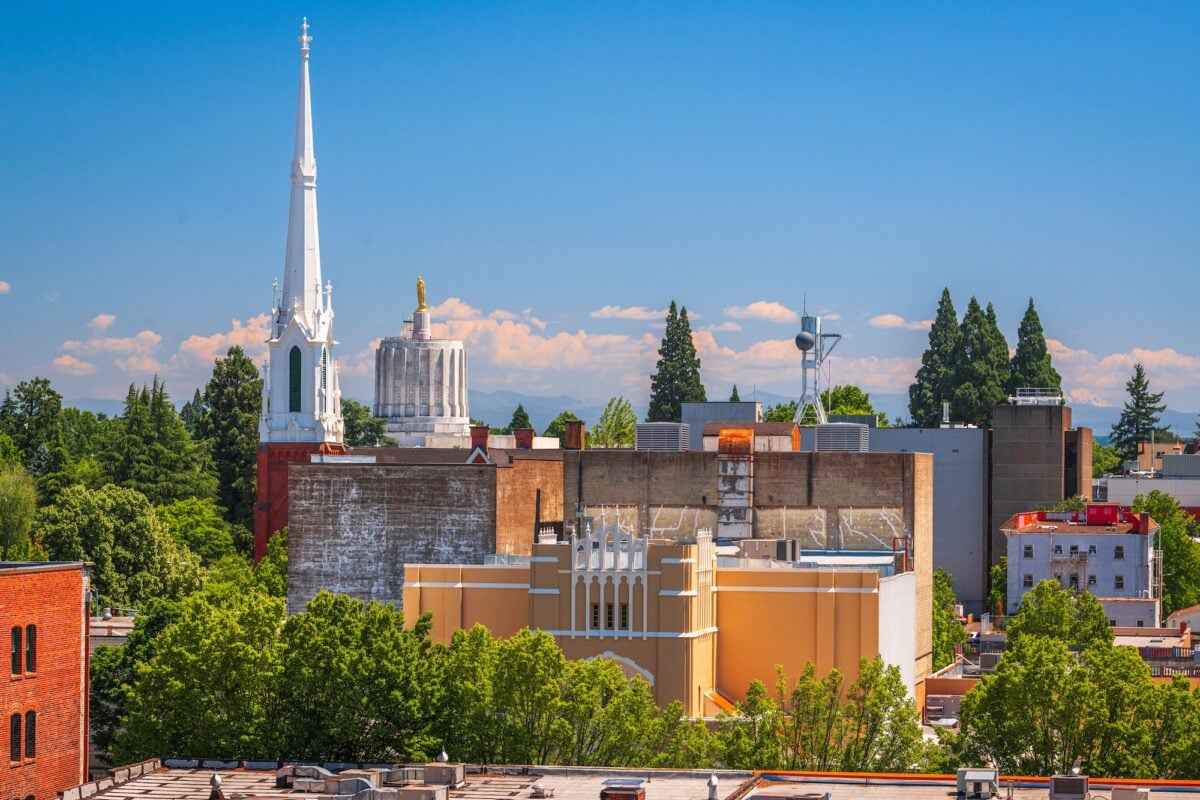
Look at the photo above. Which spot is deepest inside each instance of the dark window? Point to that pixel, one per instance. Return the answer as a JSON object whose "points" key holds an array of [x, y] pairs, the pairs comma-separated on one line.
{"points": [[595, 616], [16, 650], [1027, 581], [1141, 623], [14, 738], [294, 380], [1074, 582], [1091, 549], [1119, 582], [608, 616], [1058, 549], [30, 734], [1028, 551], [324, 371], [1091, 580], [31, 648], [1074, 549], [624, 616], [1119, 552]]}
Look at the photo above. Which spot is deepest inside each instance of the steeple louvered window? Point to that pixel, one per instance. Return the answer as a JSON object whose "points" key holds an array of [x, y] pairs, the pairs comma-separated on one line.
{"points": [[294, 380]]}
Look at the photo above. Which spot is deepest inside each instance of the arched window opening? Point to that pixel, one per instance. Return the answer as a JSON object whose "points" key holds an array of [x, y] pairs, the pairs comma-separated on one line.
{"points": [[324, 375], [294, 378], [14, 738], [16, 650], [31, 648], [30, 734]]}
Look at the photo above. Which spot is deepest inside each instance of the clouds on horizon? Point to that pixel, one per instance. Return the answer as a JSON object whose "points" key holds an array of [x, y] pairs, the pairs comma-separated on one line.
{"points": [[897, 322], [766, 310]]}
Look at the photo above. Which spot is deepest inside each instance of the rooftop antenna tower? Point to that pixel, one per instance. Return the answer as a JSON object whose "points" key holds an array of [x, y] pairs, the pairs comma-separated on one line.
{"points": [[815, 346]]}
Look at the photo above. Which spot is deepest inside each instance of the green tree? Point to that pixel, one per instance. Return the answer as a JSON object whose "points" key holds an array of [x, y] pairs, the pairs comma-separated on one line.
{"points": [[1049, 611], [362, 429], [558, 426], [85, 434], [934, 382], [31, 417], [356, 685], [135, 559], [1139, 416], [850, 399], [153, 453], [10, 456], [676, 379], [229, 423], [947, 630], [750, 737], [997, 596], [18, 505], [733, 396], [193, 413], [1031, 365], [783, 412], [616, 427], [198, 525], [1106, 460], [212, 683], [469, 726], [520, 419], [881, 730], [1177, 539], [526, 691], [980, 367]]}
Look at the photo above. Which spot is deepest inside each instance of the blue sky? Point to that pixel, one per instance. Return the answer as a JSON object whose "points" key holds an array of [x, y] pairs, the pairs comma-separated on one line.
{"points": [[538, 163]]}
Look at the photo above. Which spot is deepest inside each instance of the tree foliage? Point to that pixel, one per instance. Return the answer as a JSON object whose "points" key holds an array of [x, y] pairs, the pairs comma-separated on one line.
{"points": [[520, 419], [117, 529], [850, 400], [980, 367], [934, 382], [198, 525], [947, 630], [1031, 365], [781, 412], [1139, 416], [1177, 539], [228, 422], [30, 417], [676, 379], [362, 428], [558, 426], [733, 395], [1106, 460], [18, 505], [1048, 610], [616, 427]]}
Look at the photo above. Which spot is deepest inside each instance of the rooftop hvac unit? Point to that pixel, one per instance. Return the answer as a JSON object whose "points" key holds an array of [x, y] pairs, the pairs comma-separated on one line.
{"points": [[845, 437], [1068, 787], [623, 789], [663, 437], [978, 782], [1130, 794]]}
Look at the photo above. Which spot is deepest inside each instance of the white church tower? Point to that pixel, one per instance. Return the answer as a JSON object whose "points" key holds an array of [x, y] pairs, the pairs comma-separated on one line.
{"points": [[302, 401]]}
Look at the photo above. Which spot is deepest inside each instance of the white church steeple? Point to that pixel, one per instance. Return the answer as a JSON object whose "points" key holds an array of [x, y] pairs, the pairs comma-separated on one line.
{"points": [[301, 396]]}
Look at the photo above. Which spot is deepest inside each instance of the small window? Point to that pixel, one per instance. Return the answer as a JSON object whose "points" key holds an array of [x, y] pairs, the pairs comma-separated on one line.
{"points": [[608, 616], [1058, 549], [595, 616], [1074, 549], [1027, 581], [1091, 549], [16, 650], [624, 616], [1141, 623], [1027, 551], [1112, 623], [14, 738], [31, 648], [1119, 582], [30, 734], [294, 378], [1074, 580], [1119, 552], [1091, 580]]}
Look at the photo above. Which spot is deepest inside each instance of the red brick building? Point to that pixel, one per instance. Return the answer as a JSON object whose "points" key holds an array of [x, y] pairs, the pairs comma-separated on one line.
{"points": [[44, 687]]}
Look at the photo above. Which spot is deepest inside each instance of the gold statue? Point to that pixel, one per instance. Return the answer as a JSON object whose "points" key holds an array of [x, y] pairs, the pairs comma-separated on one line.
{"points": [[421, 294]]}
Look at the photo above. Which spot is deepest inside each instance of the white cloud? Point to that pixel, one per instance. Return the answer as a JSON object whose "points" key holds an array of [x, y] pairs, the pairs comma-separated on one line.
{"points": [[724, 327], [1101, 379], [897, 322], [764, 310], [1086, 397], [6, 379], [361, 363], [5, 287], [454, 308], [101, 322], [629, 312], [73, 366], [197, 351]]}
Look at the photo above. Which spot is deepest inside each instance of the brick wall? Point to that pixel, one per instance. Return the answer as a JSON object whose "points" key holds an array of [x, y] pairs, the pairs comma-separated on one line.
{"points": [[52, 598], [516, 501]]}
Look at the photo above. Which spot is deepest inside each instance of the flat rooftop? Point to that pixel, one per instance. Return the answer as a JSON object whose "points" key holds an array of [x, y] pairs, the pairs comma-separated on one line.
{"points": [[1095, 518], [581, 783]]}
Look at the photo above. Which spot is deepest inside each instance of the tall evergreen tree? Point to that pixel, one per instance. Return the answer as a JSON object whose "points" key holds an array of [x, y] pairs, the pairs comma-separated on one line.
{"points": [[192, 414], [1031, 367], [934, 383], [979, 371], [733, 396], [520, 419], [32, 417], [676, 379], [228, 421], [1139, 417]]}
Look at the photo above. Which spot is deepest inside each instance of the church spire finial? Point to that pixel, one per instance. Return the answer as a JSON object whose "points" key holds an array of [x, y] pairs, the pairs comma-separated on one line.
{"points": [[304, 37]]}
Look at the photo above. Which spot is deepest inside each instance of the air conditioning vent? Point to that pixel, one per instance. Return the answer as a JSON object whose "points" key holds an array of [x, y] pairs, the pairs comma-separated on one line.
{"points": [[978, 782], [1069, 787]]}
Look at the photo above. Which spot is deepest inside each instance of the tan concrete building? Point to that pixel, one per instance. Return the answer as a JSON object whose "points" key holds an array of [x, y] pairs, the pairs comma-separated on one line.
{"points": [[697, 627]]}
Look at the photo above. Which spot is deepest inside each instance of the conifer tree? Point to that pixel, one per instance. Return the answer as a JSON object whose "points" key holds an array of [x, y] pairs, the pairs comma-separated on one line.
{"points": [[1139, 417], [192, 414], [520, 419], [1031, 366], [228, 421], [934, 380], [733, 396], [980, 371], [677, 375]]}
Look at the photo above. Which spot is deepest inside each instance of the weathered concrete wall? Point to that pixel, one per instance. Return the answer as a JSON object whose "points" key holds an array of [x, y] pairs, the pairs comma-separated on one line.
{"points": [[1028, 456], [517, 498], [354, 526]]}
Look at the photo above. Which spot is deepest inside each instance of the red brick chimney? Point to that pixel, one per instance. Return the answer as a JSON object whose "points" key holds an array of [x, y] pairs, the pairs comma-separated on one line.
{"points": [[479, 437], [573, 435], [524, 437]]}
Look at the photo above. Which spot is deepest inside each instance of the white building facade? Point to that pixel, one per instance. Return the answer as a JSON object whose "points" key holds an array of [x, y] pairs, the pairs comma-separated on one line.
{"points": [[301, 395], [1103, 551]]}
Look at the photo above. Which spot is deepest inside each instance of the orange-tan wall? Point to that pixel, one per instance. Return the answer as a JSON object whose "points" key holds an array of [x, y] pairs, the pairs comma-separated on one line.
{"points": [[790, 617], [459, 596], [516, 501]]}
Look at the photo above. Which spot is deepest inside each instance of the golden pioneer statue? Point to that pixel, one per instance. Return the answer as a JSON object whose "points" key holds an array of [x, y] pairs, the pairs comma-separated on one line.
{"points": [[421, 294]]}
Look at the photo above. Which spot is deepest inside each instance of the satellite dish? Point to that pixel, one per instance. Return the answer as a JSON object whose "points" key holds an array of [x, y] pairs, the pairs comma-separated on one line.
{"points": [[805, 341]]}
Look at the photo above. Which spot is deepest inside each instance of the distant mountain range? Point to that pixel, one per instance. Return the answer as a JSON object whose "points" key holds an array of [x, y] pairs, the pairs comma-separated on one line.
{"points": [[496, 408]]}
